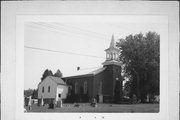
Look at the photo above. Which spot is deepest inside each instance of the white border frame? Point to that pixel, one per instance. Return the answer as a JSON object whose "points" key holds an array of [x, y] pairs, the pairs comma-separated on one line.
{"points": [[169, 9]]}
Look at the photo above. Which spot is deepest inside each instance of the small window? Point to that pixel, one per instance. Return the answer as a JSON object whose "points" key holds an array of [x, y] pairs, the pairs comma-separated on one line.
{"points": [[48, 88], [59, 95], [42, 89]]}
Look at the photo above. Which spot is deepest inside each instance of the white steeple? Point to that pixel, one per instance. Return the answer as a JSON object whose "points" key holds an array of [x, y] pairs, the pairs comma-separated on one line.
{"points": [[112, 44], [112, 53]]}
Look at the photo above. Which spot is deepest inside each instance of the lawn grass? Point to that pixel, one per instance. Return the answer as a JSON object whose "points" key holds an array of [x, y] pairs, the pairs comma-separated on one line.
{"points": [[103, 108]]}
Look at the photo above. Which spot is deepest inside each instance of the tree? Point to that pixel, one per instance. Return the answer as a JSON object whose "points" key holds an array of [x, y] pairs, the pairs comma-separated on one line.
{"points": [[140, 58], [31, 92], [35, 94], [127, 88], [46, 73], [28, 92], [58, 74]]}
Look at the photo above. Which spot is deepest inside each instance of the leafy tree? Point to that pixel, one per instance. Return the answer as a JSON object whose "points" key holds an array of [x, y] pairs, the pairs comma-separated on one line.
{"points": [[46, 73], [35, 94], [140, 58], [28, 92], [58, 74], [31, 92], [127, 88]]}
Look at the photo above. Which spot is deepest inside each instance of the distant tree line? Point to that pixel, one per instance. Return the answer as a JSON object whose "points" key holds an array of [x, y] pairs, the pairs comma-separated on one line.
{"points": [[31, 92], [140, 56]]}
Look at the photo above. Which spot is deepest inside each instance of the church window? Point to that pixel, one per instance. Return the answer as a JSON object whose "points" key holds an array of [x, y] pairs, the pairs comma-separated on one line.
{"points": [[100, 88], [85, 87], [76, 88]]}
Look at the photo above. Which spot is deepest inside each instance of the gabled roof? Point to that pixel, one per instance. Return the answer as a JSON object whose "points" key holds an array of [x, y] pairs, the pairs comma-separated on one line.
{"points": [[57, 80]]}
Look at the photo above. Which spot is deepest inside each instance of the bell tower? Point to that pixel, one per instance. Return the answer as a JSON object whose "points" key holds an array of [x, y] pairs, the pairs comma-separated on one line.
{"points": [[112, 54], [113, 79]]}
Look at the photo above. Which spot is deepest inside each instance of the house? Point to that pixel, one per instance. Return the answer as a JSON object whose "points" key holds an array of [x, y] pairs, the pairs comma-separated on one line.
{"points": [[100, 83], [51, 89]]}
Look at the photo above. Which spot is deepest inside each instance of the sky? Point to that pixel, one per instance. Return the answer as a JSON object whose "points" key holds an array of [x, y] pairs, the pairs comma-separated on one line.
{"points": [[67, 45]]}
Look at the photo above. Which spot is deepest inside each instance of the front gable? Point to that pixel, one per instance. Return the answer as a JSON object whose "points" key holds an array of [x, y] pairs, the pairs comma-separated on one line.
{"points": [[45, 84]]}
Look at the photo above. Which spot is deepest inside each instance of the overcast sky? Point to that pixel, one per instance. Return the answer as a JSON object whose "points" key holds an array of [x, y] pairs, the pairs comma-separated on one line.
{"points": [[71, 45]]}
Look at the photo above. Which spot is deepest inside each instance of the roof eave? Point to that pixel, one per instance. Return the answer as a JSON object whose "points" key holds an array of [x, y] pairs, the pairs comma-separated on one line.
{"points": [[85, 75], [99, 71], [111, 63]]}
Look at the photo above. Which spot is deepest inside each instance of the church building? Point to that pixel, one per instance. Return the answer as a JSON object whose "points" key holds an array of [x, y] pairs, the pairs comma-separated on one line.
{"points": [[99, 84]]}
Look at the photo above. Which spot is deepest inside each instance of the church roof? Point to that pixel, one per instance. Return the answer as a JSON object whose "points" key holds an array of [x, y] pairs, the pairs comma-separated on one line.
{"points": [[88, 72], [97, 71]]}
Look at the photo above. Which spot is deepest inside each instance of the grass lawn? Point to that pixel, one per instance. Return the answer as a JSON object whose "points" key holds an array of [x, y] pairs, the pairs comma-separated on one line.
{"points": [[106, 108]]}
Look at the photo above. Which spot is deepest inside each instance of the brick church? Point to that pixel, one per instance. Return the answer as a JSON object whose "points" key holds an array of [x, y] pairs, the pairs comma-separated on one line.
{"points": [[100, 83]]}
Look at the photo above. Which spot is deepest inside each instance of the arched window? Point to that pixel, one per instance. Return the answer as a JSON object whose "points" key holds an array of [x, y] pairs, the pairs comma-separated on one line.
{"points": [[85, 87], [100, 88], [76, 87]]}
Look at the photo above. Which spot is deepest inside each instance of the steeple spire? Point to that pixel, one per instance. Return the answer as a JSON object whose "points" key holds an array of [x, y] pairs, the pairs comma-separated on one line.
{"points": [[112, 54], [112, 44]]}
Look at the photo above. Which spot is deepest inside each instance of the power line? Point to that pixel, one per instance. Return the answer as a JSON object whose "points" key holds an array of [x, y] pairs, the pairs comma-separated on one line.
{"points": [[58, 28], [42, 27], [42, 49], [83, 30]]}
